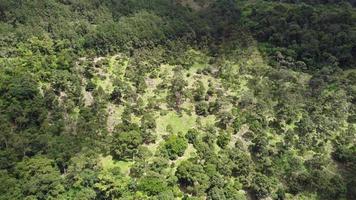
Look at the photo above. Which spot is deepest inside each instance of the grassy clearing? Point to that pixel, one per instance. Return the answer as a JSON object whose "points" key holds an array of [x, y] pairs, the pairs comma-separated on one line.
{"points": [[108, 163], [178, 123], [150, 91]]}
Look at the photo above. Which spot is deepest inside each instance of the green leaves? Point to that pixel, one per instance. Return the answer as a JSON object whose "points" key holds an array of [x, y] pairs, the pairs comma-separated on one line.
{"points": [[9, 187], [139, 80], [152, 184], [263, 186], [174, 147], [312, 33], [40, 178], [126, 143], [192, 177], [112, 184]]}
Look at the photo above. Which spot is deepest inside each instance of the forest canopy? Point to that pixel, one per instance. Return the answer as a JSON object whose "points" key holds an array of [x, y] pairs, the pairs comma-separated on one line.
{"points": [[177, 99]]}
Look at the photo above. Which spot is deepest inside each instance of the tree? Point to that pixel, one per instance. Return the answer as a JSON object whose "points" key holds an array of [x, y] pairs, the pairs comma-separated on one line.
{"points": [[176, 95], [115, 95], [223, 139], [39, 178], [236, 163], [174, 146], [225, 14], [111, 184], [81, 175], [216, 193], [202, 108], [263, 186], [148, 121], [192, 177], [192, 135], [159, 165], [21, 100], [152, 184], [199, 92], [9, 187], [214, 107], [125, 144], [225, 120]]}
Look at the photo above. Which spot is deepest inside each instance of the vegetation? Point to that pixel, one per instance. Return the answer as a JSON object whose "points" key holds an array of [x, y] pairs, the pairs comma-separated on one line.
{"points": [[177, 99]]}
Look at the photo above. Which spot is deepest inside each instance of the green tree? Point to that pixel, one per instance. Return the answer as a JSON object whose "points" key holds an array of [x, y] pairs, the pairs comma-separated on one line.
{"points": [[176, 90], [39, 178], [192, 177], [9, 187], [263, 186], [192, 135], [125, 144], [199, 92], [223, 139], [152, 184], [202, 108], [174, 146], [111, 184]]}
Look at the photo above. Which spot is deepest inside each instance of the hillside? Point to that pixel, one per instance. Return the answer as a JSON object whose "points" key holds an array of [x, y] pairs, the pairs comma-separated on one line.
{"points": [[186, 99]]}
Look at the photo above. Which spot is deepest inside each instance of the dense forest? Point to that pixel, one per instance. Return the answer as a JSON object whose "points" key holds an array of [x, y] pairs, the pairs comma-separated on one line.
{"points": [[177, 99]]}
